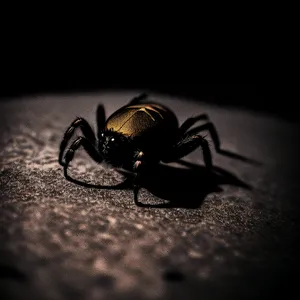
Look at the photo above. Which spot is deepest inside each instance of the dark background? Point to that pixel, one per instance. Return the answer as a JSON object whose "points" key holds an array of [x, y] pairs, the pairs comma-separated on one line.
{"points": [[271, 98]]}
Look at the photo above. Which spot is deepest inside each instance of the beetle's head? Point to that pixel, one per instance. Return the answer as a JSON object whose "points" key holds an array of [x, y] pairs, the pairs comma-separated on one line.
{"points": [[115, 147]]}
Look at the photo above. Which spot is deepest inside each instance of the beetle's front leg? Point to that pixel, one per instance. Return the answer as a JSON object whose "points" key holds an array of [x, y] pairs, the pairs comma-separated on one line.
{"points": [[86, 130], [101, 118], [88, 147], [137, 171]]}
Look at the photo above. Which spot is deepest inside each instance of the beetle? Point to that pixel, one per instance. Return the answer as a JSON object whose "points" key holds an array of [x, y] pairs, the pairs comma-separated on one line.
{"points": [[136, 135]]}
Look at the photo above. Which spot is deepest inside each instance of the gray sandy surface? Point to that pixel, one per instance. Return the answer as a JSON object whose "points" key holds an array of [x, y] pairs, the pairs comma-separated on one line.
{"points": [[230, 235]]}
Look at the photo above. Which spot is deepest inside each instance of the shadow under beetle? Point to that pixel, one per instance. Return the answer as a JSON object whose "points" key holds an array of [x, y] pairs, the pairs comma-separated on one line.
{"points": [[136, 135]]}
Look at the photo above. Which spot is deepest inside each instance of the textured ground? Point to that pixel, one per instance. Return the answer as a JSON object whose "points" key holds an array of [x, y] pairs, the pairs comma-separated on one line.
{"points": [[230, 235]]}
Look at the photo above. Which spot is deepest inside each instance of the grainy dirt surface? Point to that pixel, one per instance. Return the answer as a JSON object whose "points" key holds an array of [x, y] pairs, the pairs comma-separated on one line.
{"points": [[230, 235]]}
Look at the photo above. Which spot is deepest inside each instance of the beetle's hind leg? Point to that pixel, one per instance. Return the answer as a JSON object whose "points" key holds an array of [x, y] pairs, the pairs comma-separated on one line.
{"points": [[188, 144], [210, 127], [187, 124], [87, 131]]}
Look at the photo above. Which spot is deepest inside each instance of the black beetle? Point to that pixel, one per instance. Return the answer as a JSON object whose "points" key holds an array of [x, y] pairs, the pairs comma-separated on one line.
{"points": [[136, 135]]}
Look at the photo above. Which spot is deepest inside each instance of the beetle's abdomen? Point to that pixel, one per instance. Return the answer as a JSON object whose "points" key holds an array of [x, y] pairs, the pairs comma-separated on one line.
{"points": [[143, 120]]}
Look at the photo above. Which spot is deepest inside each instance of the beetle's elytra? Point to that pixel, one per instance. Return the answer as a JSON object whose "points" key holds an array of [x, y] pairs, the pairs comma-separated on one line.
{"points": [[136, 135]]}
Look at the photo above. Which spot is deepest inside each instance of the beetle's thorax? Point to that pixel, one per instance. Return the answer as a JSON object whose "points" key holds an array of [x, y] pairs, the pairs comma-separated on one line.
{"points": [[115, 148]]}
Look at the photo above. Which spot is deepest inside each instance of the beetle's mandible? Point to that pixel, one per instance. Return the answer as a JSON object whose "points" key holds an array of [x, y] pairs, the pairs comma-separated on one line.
{"points": [[136, 135]]}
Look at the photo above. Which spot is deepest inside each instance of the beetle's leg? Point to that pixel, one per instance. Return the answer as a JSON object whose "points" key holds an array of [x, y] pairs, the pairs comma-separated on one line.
{"points": [[136, 184], [89, 148], [187, 124], [137, 99], [86, 130], [188, 144], [216, 141], [137, 169], [210, 127], [101, 118]]}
